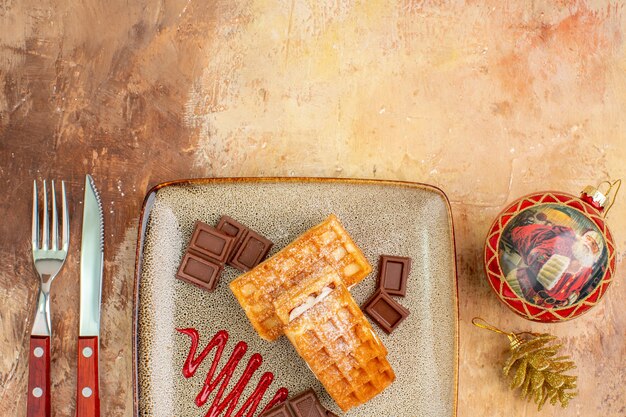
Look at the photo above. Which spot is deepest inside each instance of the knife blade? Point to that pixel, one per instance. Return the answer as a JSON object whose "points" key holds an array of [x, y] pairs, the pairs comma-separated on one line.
{"points": [[91, 268]]}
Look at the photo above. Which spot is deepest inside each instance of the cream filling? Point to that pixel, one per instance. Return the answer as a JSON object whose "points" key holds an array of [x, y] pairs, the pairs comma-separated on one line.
{"points": [[310, 301]]}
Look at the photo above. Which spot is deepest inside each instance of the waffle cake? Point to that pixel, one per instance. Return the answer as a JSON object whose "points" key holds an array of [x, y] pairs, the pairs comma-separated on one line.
{"points": [[328, 243], [330, 332]]}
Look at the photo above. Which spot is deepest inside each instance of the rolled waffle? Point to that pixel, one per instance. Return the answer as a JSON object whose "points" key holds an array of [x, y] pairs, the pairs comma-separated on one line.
{"points": [[326, 243], [308, 292], [336, 340]]}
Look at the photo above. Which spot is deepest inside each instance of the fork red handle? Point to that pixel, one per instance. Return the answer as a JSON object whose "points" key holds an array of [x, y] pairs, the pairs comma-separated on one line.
{"points": [[38, 403], [87, 392]]}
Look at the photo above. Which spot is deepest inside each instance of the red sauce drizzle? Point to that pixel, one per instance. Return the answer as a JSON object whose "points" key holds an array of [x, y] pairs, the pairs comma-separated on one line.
{"points": [[223, 378]]}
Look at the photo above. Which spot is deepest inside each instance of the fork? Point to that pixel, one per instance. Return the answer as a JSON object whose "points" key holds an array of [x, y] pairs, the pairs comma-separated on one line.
{"points": [[49, 257]]}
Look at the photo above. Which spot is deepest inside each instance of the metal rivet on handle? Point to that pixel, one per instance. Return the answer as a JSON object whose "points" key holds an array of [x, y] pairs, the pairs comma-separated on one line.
{"points": [[37, 392], [87, 392], [38, 352], [87, 352]]}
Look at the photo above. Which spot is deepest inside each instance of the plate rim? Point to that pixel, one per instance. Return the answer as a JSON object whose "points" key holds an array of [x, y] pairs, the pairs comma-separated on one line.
{"points": [[146, 208]]}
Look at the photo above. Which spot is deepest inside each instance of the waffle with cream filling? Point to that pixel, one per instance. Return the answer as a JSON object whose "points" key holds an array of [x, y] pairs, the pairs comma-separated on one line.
{"points": [[330, 332], [327, 243]]}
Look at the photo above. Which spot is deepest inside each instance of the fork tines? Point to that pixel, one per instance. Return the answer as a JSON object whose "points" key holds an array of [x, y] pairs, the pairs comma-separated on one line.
{"points": [[45, 238]]}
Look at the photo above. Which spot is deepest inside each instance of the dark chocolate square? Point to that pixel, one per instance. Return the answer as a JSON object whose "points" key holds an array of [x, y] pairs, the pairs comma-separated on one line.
{"points": [[393, 273], [233, 228], [252, 251], [199, 271], [385, 311], [209, 242], [306, 404], [281, 410]]}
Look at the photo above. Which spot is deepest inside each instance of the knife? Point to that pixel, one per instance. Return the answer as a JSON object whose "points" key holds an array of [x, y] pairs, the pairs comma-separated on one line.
{"points": [[91, 265]]}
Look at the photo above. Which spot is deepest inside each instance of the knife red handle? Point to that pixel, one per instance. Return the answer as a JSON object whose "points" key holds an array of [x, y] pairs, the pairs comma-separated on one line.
{"points": [[87, 392], [38, 403]]}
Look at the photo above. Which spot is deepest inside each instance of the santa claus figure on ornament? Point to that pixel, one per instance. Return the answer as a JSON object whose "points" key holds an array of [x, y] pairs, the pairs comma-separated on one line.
{"points": [[556, 264]]}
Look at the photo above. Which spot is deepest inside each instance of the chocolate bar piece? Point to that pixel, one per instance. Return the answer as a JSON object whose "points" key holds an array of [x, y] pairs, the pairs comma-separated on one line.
{"points": [[387, 313], [393, 273], [281, 410], [233, 228], [252, 251], [209, 242], [306, 404], [199, 271]]}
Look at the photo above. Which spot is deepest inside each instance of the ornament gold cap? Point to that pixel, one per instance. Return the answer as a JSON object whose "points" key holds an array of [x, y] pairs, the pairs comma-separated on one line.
{"points": [[599, 199], [596, 195]]}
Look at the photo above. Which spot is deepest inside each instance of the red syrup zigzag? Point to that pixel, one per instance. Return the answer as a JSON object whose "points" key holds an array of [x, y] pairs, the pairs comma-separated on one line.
{"points": [[218, 406]]}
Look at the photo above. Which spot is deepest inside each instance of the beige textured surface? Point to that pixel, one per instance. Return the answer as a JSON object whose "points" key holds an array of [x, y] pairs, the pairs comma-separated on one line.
{"points": [[487, 99], [421, 354]]}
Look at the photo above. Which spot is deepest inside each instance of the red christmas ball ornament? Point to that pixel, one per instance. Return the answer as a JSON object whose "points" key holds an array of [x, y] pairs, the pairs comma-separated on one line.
{"points": [[550, 256]]}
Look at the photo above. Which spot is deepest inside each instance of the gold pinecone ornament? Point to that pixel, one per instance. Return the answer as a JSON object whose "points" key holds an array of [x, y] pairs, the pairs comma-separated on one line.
{"points": [[534, 367]]}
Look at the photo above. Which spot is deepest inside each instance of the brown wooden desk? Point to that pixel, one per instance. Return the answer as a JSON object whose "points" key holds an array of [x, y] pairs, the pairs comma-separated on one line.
{"points": [[489, 100]]}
